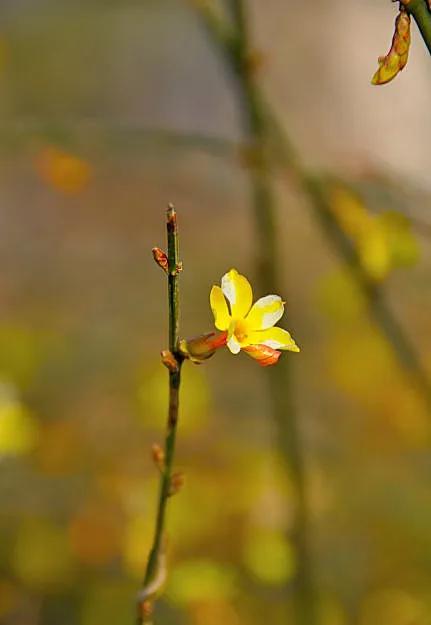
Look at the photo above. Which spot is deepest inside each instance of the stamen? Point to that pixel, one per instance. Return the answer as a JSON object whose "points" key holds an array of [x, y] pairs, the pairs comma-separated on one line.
{"points": [[241, 330]]}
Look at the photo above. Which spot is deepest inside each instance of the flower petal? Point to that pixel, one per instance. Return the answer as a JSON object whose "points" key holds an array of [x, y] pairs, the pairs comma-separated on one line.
{"points": [[233, 344], [277, 338], [238, 291], [219, 308], [264, 355], [202, 347], [265, 312]]}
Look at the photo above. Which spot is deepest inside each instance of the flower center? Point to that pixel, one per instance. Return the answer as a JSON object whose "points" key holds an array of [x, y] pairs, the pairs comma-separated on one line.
{"points": [[241, 330]]}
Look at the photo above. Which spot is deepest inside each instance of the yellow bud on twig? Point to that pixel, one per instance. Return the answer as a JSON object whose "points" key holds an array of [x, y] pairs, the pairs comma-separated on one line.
{"points": [[396, 59]]}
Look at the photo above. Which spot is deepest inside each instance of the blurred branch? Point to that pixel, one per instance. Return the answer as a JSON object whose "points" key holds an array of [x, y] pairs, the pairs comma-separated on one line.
{"points": [[107, 134], [381, 312], [421, 13], [283, 152], [241, 58], [155, 572], [378, 191], [315, 187], [102, 134]]}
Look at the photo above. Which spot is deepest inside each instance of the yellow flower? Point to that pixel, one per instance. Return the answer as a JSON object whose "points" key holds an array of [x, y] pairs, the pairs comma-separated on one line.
{"points": [[249, 327]]}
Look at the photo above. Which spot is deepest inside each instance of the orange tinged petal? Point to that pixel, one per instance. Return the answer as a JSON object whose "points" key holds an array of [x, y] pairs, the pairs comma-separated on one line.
{"points": [[264, 355]]}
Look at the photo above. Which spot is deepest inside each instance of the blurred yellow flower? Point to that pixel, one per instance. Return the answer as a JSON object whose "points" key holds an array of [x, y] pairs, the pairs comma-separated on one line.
{"points": [[249, 327], [137, 543], [269, 557], [18, 429], [383, 241], [42, 557], [201, 580], [63, 171]]}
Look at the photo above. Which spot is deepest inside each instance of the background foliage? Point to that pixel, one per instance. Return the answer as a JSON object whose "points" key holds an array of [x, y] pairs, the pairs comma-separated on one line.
{"points": [[109, 110]]}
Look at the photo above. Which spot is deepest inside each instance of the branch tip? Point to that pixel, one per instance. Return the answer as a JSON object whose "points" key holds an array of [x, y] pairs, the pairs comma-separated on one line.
{"points": [[171, 212]]}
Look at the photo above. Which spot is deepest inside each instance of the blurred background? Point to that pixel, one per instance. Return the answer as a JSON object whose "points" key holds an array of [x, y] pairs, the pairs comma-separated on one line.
{"points": [[109, 110]]}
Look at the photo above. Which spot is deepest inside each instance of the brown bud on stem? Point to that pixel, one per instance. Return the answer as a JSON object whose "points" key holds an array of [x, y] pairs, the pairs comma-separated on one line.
{"points": [[177, 482], [158, 455], [160, 258], [169, 360], [200, 348]]}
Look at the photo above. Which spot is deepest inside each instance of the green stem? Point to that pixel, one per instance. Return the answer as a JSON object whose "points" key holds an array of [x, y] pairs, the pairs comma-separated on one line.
{"points": [[422, 16], [155, 561]]}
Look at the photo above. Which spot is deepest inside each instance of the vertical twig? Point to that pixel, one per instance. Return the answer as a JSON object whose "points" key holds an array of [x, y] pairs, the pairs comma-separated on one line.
{"points": [[155, 572]]}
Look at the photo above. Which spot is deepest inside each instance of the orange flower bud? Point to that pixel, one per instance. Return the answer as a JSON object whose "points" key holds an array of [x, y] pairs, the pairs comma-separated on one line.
{"points": [[158, 455], [161, 258], [63, 171], [177, 482], [169, 360], [202, 347], [264, 355]]}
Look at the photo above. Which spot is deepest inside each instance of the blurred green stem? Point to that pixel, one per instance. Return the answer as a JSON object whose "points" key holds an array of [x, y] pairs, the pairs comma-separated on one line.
{"points": [[155, 573], [282, 152], [239, 53], [316, 189], [422, 16]]}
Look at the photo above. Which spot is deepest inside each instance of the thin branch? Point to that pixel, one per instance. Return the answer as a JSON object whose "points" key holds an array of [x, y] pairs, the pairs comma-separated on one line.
{"points": [[379, 308], [77, 133], [315, 188], [155, 572], [421, 13], [132, 136], [284, 154]]}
